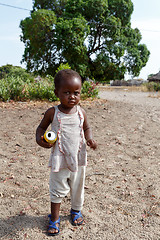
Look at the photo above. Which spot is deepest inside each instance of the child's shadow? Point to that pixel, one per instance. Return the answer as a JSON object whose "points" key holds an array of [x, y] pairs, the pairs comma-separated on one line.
{"points": [[11, 226]]}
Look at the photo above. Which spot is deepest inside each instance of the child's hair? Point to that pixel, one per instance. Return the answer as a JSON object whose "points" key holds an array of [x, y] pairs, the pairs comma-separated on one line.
{"points": [[64, 74]]}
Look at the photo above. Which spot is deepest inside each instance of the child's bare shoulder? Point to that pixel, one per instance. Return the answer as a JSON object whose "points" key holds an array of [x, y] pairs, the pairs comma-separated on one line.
{"points": [[50, 113]]}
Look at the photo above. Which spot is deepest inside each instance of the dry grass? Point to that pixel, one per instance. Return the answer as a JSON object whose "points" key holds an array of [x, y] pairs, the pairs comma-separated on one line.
{"points": [[141, 88]]}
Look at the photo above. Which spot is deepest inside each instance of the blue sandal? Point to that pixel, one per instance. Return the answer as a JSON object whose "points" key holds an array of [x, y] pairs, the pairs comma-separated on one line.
{"points": [[77, 215], [52, 225]]}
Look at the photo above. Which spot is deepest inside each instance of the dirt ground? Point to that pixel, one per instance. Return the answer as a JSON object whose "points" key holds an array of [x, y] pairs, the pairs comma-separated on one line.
{"points": [[122, 191]]}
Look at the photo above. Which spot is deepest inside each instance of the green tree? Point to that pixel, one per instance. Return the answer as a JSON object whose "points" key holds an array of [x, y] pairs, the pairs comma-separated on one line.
{"points": [[15, 71], [93, 36], [5, 69]]}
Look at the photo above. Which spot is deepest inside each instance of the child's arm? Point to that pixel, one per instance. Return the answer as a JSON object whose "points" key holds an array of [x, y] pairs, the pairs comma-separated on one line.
{"points": [[88, 132], [46, 121]]}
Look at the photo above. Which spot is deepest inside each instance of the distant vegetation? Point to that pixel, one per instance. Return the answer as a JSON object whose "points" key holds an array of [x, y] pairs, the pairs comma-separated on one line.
{"points": [[19, 85], [153, 86]]}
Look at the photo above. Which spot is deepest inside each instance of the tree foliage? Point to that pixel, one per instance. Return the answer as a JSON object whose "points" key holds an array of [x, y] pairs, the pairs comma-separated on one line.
{"points": [[93, 36], [15, 71]]}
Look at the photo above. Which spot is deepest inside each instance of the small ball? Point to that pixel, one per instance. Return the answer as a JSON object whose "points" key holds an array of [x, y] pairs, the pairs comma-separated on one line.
{"points": [[50, 136]]}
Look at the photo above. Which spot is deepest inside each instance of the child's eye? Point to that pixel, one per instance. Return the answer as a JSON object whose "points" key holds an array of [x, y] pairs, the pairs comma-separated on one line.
{"points": [[76, 93], [67, 93]]}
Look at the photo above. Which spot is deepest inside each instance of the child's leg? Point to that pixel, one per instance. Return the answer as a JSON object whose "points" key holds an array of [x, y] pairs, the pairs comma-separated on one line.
{"points": [[54, 222], [58, 186], [77, 181], [55, 208]]}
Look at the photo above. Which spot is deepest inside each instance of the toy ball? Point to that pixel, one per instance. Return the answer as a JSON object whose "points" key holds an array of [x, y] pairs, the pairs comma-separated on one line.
{"points": [[50, 136]]}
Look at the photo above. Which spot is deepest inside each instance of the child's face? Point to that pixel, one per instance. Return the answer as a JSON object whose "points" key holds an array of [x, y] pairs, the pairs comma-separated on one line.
{"points": [[69, 92]]}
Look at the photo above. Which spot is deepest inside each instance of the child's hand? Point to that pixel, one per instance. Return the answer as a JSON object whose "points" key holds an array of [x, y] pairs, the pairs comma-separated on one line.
{"points": [[92, 144], [46, 144]]}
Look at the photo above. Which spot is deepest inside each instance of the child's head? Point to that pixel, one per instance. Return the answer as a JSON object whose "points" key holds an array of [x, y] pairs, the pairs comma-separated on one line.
{"points": [[68, 87], [62, 77]]}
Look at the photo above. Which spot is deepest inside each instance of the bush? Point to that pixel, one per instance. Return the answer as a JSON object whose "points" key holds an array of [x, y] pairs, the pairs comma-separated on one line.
{"points": [[15, 71], [11, 88], [4, 70], [153, 86], [14, 88], [156, 87], [42, 90], [4, 91], [89, 90], [21, 73], [63, 66], [19, 85]]}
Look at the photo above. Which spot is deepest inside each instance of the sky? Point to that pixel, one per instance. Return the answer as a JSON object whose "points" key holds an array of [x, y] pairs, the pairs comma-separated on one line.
{"points": [[145, 17]]}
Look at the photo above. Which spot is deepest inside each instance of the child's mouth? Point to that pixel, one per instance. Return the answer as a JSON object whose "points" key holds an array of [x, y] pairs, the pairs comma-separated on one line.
{"points": [[71, 102]]}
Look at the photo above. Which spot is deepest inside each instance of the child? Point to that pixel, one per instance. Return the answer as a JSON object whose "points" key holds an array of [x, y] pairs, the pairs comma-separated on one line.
{"points": [[68, 154]]}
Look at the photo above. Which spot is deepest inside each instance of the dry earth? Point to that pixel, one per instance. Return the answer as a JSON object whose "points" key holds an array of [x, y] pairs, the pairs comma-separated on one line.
{"points": [[122, 193]]}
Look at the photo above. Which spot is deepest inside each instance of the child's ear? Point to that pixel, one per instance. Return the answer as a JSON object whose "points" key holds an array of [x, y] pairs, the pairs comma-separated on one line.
{"points": [[56, 92]]}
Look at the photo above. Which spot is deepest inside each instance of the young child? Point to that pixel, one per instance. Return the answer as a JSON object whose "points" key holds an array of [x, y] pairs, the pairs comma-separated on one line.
{"points": [[68, 157]]}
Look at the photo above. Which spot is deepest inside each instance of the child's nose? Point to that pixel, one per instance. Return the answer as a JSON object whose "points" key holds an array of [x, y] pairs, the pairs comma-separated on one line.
{"points": [[71, 96]]}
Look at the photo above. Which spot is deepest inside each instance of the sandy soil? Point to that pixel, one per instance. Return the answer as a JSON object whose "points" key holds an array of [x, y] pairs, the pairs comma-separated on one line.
{"points": [[122, 192]]}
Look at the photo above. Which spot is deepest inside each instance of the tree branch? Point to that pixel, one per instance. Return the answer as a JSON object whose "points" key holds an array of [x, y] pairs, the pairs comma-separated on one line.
{"points": [[97, 35]]}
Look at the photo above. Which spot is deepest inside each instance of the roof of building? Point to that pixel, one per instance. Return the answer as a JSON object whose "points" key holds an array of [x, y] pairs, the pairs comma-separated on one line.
{"points": [[155, 77]]}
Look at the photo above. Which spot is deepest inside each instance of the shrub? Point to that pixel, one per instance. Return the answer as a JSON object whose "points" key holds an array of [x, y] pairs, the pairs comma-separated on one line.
{"points": [[153, 86], [156, 87], [15, 71], [42, 90], [63, 66], [89, 90], [11, 88], [4, 70], [4, 91], [21, 73], [14, 88], [50, 78], [19, 88]]}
